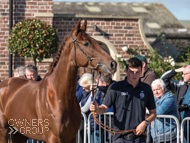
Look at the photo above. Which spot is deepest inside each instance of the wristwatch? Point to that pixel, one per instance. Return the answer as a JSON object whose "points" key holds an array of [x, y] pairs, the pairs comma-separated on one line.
{"points": [[147, 122]]}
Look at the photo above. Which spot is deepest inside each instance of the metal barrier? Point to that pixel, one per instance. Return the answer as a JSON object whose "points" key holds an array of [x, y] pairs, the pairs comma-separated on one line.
{"points": [[182, 129], [177, 126], [109, 123], [82, 130], [109, 114]]}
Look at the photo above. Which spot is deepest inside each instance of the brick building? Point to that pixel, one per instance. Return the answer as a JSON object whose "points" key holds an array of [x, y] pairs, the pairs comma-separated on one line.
{"points": [[112, 32]]}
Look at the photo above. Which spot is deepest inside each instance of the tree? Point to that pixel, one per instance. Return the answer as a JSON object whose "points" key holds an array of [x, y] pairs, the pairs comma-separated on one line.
{"points": [[33, 39]]}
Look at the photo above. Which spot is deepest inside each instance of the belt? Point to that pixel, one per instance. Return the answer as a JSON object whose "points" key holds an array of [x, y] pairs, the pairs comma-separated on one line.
{"points": [[131, 136]]}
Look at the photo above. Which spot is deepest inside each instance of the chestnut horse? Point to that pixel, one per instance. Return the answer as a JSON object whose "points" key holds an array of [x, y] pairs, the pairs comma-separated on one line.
{"points": [[48, 110]]}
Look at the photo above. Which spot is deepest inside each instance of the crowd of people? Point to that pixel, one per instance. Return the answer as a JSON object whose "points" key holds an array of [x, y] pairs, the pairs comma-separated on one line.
{"points": [[135, 101], [139, 98]]}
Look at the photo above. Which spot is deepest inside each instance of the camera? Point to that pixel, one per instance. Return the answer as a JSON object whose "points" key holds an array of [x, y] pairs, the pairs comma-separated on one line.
{"points": [[183, 107]]}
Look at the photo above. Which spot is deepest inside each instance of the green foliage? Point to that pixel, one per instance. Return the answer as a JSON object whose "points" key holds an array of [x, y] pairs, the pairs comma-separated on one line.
{"points": [[34, 39], [160, 65]]}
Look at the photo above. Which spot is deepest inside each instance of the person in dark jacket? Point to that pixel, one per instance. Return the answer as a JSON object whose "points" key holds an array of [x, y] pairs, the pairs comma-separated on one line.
{"points": [[129, 98], [182, 93], [32, 73], [104, 84]]}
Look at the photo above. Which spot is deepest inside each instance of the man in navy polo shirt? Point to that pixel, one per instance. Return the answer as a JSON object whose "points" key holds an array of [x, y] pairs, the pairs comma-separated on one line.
{"points": [[129, 98]]}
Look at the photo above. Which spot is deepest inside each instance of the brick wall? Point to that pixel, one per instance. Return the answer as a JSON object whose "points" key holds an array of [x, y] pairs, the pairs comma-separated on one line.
{"points": [[119, 32], [22, 9]]}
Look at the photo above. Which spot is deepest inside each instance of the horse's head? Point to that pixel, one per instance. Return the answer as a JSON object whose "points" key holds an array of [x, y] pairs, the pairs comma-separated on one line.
{"points": [[88, 53]]}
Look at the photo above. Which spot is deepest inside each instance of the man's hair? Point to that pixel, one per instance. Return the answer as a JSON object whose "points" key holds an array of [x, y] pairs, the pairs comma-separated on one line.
{"points": [[133, 63], [32, 68], [104, 78], [20, 70], [188, 67]]}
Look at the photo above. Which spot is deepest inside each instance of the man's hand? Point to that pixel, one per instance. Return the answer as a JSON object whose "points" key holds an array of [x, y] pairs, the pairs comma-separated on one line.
{"points": [[98, 109], [93, 89], [179, 69], [93, 107], [141, 128]]}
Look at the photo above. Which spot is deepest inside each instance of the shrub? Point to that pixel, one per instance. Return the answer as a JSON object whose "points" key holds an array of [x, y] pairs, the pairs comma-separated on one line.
{"points": [[33, 39]]}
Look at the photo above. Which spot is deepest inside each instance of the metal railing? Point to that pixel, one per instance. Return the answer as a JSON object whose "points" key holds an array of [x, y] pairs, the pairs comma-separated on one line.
{"points": [[109, 123], [170, 117], [183, 131]]}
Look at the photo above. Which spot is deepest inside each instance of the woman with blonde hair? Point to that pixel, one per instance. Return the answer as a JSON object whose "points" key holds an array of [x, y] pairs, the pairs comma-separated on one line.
{"points": [[86, 82]]}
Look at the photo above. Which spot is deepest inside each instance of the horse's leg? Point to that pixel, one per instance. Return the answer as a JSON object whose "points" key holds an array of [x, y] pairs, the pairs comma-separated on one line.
{"points": [[18, 138], [73, 140], [3, 135], [3, 129]]}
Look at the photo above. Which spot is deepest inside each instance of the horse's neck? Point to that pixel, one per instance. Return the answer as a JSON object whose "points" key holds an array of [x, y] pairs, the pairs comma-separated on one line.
{"points": [[64, 78]]}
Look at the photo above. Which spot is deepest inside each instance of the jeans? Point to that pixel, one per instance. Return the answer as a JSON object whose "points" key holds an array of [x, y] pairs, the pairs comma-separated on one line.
{"points": [[185, 137], [96, 132], [33, 141]]}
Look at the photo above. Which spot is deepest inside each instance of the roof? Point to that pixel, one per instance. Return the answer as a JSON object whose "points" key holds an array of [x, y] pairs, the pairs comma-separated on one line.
{"points": [[155, 16], [186, 24], [165, 48]]}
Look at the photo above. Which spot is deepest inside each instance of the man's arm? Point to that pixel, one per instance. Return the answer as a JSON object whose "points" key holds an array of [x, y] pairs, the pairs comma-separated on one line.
{"points": [[167, 80], [98, 109], [142, 126]]}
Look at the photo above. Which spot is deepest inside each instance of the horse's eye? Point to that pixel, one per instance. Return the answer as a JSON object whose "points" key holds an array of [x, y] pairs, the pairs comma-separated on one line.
{"points": [[86, 44]]}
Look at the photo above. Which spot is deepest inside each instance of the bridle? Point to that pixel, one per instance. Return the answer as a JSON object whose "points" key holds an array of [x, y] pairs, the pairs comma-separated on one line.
{"points": [[113, 131], [90, 59]]}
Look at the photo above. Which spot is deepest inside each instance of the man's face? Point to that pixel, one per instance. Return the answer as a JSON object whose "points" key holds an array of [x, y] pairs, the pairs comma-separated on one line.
{"points": [[186, 74], [133, 75], [31, 75], [100, 83]]}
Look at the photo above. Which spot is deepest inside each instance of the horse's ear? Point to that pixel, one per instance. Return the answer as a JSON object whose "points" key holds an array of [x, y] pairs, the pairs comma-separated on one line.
{"points": [[77, 27], [83, 27]]}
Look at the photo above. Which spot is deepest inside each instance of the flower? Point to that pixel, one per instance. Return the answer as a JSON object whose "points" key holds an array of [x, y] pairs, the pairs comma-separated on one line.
{"points": [[173, 63], [118, 56], [122, 60], [125, 49], [170, 60]]}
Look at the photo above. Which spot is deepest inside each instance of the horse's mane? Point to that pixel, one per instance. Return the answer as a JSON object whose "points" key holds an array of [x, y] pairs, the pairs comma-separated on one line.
{"points": [[56, 59]]}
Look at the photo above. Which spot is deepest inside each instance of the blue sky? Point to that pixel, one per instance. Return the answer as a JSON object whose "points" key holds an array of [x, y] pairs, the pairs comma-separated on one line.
{"points": [[179, 8]]}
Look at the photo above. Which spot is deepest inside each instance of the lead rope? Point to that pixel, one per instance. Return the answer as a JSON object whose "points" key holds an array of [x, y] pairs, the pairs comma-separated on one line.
{"points": [[111, 130]]}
